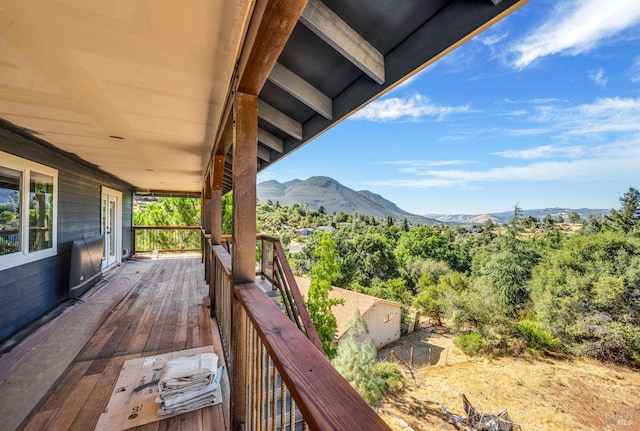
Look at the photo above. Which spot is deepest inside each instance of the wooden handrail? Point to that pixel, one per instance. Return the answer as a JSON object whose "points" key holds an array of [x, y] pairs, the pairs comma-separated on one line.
{"points": [[224, 258], [167, 227], [325, 399], [310, 330]]}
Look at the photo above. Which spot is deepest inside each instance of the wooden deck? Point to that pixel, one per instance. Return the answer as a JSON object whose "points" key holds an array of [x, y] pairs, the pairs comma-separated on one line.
{"points": [[167, 310]]}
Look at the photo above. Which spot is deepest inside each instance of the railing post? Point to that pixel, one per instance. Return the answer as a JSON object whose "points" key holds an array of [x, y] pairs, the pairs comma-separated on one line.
{"points": [[263, 257], [133, 241]]}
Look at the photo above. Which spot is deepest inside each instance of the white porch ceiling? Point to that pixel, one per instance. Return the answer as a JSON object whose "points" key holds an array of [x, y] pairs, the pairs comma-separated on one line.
{"points": [[136, 87]]}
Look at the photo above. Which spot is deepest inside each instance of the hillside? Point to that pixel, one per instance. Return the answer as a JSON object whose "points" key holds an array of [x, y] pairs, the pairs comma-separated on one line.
{"points": [[549, 393], [504, 217], [334, 197]]}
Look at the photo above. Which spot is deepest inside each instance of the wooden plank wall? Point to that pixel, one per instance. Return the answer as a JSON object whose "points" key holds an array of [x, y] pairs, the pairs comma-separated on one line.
{"points": [[28, 291]]}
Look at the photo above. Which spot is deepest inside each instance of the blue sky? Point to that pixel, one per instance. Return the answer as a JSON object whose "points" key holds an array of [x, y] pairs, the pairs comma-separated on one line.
{"points": [[540, 110]]}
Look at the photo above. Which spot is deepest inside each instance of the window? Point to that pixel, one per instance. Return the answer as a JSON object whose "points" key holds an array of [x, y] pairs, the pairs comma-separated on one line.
{"points": [[388, 318], [28, 206]]}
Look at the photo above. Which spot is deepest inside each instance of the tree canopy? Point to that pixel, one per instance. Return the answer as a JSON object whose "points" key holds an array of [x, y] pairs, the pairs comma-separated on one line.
{"points": [[323, 273]]}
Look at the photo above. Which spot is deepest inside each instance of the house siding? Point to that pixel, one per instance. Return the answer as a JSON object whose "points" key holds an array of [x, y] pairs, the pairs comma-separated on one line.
{"points": [[381, 332], [28, 291]]}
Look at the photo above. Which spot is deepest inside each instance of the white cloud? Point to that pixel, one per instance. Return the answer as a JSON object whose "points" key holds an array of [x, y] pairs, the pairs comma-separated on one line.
{"points": [[527, 132], [405, 109], [619, 160], [605, 115], [493, 39], [586, 170], [598, 77], [542, 152], [427, 163], [417, 166], [575, 27]]}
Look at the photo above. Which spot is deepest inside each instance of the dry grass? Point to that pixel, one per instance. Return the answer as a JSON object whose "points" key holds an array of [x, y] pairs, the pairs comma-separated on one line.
{"points": [[544, 394]]}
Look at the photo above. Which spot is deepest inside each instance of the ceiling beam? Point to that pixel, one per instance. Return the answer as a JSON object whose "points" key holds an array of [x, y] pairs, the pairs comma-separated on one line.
{"points": [[270, 140], [301, 90], [270, 27], [333, 30], [280, 120], [264, 154]]}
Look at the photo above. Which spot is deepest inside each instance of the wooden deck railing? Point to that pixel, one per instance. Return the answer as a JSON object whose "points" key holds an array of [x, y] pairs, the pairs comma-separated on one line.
{"points": [[274, 266], [220, 291], [166, 239], [289, 383]]}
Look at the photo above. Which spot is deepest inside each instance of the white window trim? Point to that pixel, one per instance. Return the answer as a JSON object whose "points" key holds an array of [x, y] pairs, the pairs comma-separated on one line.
{"points": [[24, 256]]}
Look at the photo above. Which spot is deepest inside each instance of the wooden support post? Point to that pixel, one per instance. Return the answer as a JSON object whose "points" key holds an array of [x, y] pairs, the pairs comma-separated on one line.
{"points": [[205, 223], [245, 166], [216, 199], [205, 205]]}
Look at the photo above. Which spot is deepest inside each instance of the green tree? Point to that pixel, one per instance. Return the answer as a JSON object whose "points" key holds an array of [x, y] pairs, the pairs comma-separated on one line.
{"points": [[530, 222], [509, 270], [415, 268], [169, 212], [227, 214], [626, 218], [356, 361], [404, 227], [591, 225], [323, 273], [548, 221], [588, 294], [435, 297], [574, 217], [480, 309], [373, 258], [426, 242], [392, 289]]}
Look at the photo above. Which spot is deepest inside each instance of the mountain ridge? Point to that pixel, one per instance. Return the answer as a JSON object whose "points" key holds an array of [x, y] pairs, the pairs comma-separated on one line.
{"points": [[334, 197], [505, 216]]}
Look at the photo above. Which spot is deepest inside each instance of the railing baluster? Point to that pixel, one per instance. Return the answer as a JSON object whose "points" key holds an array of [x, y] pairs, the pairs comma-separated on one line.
{"points": [[283, 404], [274, 397], [264, 375]]}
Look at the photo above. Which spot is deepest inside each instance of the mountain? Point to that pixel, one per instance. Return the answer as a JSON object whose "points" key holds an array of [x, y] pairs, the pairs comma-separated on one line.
{"points": [[334, 197], [506, 216]]}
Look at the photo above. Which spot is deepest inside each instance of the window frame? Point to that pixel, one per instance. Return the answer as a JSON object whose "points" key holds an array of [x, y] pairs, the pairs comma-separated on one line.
{"points": [[24, 256]]}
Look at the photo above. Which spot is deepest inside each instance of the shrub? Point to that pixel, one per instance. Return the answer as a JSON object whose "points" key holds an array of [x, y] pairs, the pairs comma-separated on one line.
{"points": [[392, 376], [536, 335], [612, 342], [471, 344]]}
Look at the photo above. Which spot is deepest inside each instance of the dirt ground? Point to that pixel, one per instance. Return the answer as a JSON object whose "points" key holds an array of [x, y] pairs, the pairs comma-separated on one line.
{"points": [[539, 394]]}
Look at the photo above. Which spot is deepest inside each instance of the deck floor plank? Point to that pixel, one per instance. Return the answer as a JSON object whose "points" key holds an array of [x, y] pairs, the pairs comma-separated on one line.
{"points": [[153, 343], [167, 310], [98, 398], [73, 404]]}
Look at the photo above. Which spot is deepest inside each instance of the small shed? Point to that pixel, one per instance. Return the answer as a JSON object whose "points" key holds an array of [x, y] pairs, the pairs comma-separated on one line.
{"points": [[381, 316]]}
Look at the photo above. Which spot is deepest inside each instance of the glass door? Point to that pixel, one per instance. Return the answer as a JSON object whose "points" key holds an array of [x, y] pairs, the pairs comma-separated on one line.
{"points": [[111, 200]]}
